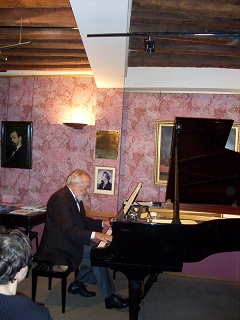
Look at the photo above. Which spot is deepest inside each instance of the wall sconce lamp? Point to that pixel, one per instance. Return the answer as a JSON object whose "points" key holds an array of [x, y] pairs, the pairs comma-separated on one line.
{"points": [[149, 45], [75, 125]]}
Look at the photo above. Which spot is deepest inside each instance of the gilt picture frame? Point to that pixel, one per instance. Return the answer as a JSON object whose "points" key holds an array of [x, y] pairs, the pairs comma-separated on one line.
{"points": [[233, 142], [16, 144], [163, 140], [104, 180]]}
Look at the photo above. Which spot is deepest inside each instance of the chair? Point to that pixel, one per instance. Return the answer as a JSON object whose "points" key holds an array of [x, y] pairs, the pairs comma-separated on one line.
{"points": [[34, 235], [45, 269]]}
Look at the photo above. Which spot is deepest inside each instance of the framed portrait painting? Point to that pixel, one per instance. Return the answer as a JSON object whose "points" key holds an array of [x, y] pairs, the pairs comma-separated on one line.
{"points": [[16, 144], [104, 180], [163, 140]]}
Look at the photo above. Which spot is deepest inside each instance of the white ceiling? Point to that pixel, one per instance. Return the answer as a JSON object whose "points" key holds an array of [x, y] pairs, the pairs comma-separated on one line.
{"points": [[107, 56]]}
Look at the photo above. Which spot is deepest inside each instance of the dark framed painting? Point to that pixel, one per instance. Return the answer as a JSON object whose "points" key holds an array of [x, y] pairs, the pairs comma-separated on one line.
{"points": [[16, 144], [163, 140]]}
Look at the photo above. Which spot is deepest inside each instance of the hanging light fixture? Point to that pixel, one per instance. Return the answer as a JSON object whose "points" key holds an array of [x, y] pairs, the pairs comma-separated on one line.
{"points": [[149, 45], [15, 45]]}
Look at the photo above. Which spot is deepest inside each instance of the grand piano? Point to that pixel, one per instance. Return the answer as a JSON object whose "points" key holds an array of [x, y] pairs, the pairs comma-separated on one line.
{"points": [[203, 217]]}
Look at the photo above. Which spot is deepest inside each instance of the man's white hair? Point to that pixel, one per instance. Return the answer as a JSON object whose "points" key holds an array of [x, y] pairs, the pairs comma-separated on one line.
{"points": [[76, 176]]}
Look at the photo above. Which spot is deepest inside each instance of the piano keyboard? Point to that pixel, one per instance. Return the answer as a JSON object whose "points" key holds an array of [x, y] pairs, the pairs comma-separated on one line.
{"points": [[103, 244]]}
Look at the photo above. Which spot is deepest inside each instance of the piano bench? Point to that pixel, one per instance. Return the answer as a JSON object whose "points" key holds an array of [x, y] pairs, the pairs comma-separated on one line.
{"points": [[45, 269]]}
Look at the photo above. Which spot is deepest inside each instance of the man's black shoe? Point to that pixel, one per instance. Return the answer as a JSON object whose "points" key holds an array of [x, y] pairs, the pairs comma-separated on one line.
{"points": [[115, 301], [80, 288]]}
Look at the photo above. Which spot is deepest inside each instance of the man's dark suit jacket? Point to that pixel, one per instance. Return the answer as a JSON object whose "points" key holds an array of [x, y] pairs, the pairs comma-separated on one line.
{"points": [[20, 156], [108, 186], [66, 230]]}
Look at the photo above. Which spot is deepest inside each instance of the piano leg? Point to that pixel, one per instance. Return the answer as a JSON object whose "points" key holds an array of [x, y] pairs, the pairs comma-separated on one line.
{"points": [[148, 284], [137, 289], [135, 293]]}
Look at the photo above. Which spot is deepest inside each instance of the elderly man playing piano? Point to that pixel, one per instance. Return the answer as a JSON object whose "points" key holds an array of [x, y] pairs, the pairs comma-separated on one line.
{"points": [[68, 237]]}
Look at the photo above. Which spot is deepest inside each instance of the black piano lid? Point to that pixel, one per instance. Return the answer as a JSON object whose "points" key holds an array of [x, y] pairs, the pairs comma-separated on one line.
{"points": [[207, 171]]}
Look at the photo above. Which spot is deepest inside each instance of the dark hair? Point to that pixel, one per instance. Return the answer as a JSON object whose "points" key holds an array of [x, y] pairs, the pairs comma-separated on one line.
{"points": [[15, 253], [107, 175], [19, 131]]}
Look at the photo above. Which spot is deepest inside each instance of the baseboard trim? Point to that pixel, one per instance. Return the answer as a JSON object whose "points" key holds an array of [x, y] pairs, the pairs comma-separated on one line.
{"points": [[180, 274]]}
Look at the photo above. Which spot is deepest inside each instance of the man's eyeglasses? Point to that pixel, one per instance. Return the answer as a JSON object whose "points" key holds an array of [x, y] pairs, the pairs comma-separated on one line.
{"points": [[87, 187]]}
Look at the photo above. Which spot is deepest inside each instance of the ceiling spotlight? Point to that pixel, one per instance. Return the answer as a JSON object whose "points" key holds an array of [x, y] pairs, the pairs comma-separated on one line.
{"points": [[149, 45], [4, 58]]}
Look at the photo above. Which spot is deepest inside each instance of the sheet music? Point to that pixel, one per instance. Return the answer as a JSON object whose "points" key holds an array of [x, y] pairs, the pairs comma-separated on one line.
{"points": [[23, 211], [127, 206], [35, 207], [130, 201]]}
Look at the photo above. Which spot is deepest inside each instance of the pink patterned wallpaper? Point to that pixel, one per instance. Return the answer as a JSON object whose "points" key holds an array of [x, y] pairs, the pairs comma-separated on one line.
{"points": [[141, 110], [57, 149]]}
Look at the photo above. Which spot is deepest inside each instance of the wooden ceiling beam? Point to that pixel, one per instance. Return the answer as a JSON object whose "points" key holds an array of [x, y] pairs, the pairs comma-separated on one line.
{"points": [[181, 60], [175, 40], [166, 15], [187, 26], [202, 9], [35, 4], [188, 47], [72, 67], [47, 52], [193, 51], [39, 34], [46, 59], [56, 45], [49, 45], [62, 17], [156, 17]]}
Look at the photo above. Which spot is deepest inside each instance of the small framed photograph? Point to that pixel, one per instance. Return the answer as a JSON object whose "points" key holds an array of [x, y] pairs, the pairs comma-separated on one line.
{"points": [[104, 180], [16, 144]]}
